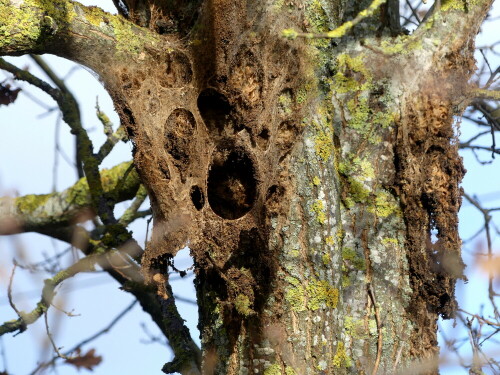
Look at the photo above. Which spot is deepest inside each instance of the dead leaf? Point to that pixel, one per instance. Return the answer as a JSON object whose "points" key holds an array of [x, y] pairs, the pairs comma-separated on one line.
{"points": [[490, 266], [88, 361], [7, 95]]}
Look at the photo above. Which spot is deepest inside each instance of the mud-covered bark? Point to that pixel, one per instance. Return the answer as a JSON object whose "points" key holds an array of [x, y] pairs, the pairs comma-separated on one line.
{"points": [[305, 175]]}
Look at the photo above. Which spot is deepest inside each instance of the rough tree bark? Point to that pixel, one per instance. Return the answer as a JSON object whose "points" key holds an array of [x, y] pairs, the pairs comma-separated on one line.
{"points": [[305, 173]]}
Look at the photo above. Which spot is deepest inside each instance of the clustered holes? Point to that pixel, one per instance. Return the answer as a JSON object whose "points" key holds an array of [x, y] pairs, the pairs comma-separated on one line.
{"points": [[178, 70], [197, 197], [214, 109], [231, 183]]}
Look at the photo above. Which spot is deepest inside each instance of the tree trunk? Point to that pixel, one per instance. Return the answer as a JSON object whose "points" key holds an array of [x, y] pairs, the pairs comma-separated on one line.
{"points": [[306, 175]]}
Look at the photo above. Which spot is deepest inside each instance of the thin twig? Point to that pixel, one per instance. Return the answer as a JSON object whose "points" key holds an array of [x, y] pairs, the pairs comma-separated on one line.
{"points": [[11, 301], [51, 339], [371, 293]]}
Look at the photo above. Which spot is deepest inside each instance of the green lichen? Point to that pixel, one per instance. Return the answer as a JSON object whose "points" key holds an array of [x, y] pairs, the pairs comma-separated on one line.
{"points": [[243, 305], [384, 205], [317, 21], [289, 34], [316, 181], [326, 259], [290, 371], [112, 181], [401, 45], [341, 30], [462, 5], [285, 102], [323, 145], [319, 293], [341, 358], [384, 119], [355, 260], [352, 75], [94, 15], [274, 369], [329, 240], [372, 327], [354, 327], [127, 41], [388, 240], [357, 192], [29, 203], [295, 296], [318, 207], [353, 165], [346, 280], [360, 115], [304, 93], [32, 21]]}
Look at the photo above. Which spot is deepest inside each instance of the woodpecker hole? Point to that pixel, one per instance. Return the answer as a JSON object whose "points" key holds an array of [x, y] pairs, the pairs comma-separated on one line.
{"points": [[215, 110], [231, 183]]}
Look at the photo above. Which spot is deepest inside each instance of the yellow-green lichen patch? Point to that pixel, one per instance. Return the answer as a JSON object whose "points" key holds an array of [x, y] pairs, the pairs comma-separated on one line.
{"points": [[285, 102], [112, 180], [462, 5], [318, 207], [290, 371], [94, 15], [127, 35], [323, 145], [354, 328], [384, 119], [319, 293], [296, 295], [329, 240], [274, 369], [243, 305], [61, 11], [304, 92], [353, 258], [341, 358], [316, 181], [31, 20], [402, 44], [352, 75], [358, 193], [326, 259], [29, 203], [353, 165], [384, 205], [359, 115], [388, 240], [317, 22]]}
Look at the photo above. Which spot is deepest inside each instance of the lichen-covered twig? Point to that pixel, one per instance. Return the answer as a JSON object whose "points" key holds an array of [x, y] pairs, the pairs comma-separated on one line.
{"points": [[342, 29], [49, 213], [131, 212]]}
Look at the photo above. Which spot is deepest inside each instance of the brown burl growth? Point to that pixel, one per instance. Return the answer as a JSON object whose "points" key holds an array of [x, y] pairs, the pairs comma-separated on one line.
{"points": [[430, 171]]}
